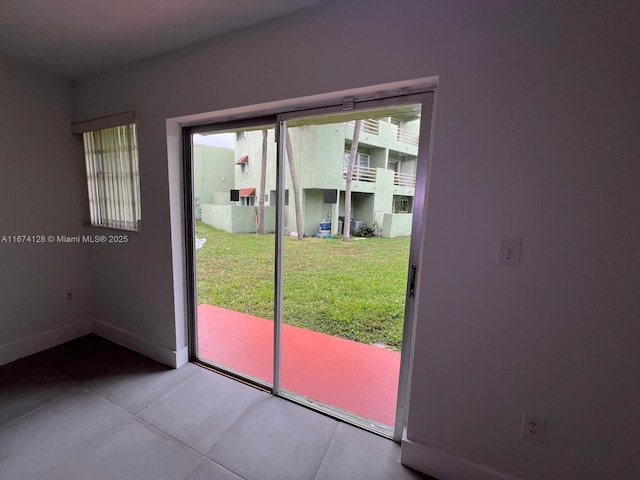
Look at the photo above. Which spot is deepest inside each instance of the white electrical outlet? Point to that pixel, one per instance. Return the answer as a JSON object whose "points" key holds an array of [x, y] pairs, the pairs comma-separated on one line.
{"points": [[509, 251], [533, 428]]}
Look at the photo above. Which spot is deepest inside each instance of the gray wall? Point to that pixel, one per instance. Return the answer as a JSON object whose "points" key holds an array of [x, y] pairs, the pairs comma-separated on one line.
{"points": [[535, 135], [42, 192]]}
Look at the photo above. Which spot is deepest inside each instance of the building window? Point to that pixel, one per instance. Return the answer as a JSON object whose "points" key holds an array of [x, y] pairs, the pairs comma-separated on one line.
{"points": [[362, 161], [266, 199], [241, 136], [113, 177], [244, 163], [247, 201]]}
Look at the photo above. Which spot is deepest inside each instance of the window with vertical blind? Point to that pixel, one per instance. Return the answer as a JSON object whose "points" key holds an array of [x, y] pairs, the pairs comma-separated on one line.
{"points": [[113, 177]]}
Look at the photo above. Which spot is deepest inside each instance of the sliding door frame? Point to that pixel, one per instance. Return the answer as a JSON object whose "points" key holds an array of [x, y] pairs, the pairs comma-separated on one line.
{"points": [[190, 251], [426, 101], [424, 97]]}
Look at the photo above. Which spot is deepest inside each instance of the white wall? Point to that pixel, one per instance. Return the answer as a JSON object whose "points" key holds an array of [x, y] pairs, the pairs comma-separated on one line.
{"points": [[42, 192], [535, 135]]}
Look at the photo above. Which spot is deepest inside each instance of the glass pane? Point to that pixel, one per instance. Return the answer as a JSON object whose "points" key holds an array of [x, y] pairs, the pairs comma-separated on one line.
{"points": [[234, 178], [346, 255]]}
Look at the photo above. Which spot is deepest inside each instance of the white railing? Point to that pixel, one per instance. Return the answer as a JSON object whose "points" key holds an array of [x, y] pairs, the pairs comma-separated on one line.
{"points": [[368, 126], [406, 136], [404, 179], [363, 174]]}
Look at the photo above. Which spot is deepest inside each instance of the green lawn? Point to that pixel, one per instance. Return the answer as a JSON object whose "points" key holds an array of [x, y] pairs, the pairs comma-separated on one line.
{"points": [[352, 290]]}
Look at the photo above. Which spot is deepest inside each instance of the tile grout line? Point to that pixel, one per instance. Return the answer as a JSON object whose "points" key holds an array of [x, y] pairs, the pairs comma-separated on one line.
{"points": [[82, 451], [178, 387], [202, 455], [324, 456], [244, 412], [41, 406]]}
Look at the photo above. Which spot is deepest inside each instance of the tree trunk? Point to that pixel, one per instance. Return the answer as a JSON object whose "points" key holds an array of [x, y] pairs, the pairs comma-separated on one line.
{"points": [[353, 156], [263, 181], [294, 185]]}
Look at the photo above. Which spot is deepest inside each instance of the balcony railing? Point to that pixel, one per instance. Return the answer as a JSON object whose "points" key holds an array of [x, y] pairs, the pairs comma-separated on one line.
{"points": [[406, 136], [362, 174], [368, 126], [404, 179]]}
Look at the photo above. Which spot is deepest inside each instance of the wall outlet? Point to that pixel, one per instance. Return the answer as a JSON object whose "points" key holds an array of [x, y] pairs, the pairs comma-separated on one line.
{"points": [[533, 428], [68, 295]]}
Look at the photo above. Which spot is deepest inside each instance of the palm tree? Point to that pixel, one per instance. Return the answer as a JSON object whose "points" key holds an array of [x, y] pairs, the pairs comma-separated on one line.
{"points": [[263, 181], [294, 185], [346, 228]]}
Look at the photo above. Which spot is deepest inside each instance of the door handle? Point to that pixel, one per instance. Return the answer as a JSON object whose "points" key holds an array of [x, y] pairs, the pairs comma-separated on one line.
{"points": [[412, 282]]}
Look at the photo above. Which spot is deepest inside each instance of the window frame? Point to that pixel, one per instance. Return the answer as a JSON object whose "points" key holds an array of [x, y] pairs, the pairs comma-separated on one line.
{"points": [[248, 201], [112, 168]]}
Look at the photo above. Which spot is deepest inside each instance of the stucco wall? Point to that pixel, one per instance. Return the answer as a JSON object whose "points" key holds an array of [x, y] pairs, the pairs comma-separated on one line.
{"points": [[396, 225]]}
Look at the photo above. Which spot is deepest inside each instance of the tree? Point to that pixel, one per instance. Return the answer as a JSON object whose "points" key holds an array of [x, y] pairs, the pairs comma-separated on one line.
{"points": [[353, 156], [294, 185], [263, 181]]}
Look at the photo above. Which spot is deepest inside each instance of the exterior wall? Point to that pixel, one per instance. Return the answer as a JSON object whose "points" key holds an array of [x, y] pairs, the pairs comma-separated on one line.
{"points": [[213, 175], [396, 225], [252, 147], [235, 219], [314, 211], [327, 158], [379, 157], [384, 191], [218, 216]]}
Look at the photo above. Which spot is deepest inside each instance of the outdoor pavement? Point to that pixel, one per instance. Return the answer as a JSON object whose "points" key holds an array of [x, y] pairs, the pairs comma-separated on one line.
{"points": [[358, 378]]}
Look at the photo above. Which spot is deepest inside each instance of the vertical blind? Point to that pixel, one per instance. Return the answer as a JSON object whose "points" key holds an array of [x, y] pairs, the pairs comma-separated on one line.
{"points": [[113, 177]]}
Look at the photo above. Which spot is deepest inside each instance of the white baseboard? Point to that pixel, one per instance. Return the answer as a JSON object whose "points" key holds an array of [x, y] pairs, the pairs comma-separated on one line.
{"points": [[140, 344], [41, 341], [182, 356], [445, 466]]}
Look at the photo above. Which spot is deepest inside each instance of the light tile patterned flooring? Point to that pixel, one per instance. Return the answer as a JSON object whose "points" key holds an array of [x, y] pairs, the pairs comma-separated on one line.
{"points": [[90, 409]]}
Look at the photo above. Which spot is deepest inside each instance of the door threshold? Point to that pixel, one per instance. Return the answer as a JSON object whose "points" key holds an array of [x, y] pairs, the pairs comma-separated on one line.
{"points": [[231, 374], [385, 431]]}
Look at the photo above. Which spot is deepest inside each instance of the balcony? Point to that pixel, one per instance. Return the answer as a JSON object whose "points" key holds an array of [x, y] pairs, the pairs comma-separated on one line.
{"points": [[373, 127], [405, 136], [404, 179], [368, 126], [362, 174]]}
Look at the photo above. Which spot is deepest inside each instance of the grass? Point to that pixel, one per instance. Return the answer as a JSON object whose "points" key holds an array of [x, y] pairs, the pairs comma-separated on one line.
{"points": [[353, 290]]}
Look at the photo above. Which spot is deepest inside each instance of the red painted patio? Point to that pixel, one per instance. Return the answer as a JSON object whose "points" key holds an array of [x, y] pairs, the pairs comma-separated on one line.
{"points": [[358, 378]]}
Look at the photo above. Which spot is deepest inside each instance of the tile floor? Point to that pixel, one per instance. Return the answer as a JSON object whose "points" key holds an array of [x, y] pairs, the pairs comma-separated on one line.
{"points": [[92, 409]]}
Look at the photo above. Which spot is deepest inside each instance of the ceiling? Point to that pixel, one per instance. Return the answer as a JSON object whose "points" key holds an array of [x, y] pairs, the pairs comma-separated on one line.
{"points": [[77, 38]]}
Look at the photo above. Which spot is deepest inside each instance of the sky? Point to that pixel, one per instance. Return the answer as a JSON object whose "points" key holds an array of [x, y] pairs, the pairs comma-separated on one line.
{"points": [[224, 140]]}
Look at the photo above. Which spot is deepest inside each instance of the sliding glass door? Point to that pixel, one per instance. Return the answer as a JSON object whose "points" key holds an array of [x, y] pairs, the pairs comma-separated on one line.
{"points": [[234, 228], [305, 236], [346, 243]]}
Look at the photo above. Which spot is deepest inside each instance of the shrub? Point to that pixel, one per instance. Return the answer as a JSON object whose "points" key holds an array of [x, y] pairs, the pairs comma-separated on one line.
{"points": [[364, 231]]}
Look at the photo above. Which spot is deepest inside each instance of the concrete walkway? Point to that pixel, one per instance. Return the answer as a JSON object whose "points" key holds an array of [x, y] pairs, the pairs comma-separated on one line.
{"points": [[359, 378]]}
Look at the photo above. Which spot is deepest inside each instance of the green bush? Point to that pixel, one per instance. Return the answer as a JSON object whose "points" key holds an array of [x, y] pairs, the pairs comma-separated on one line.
{"points": [[365, 231]]}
